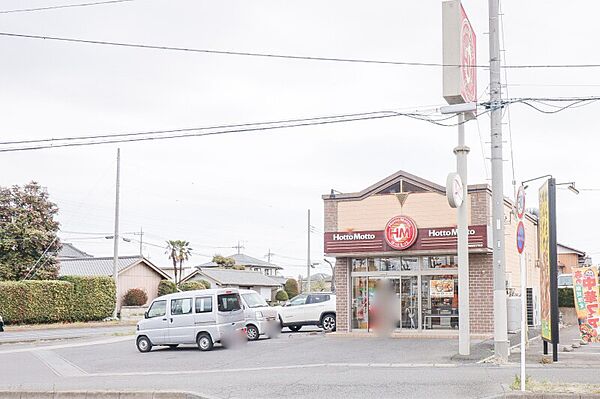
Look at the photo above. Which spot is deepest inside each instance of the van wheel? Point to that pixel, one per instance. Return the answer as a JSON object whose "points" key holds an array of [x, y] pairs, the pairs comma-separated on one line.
{"points": [[204, 342], [295, 328], [143, 344], [328, 322], [252, 333]]}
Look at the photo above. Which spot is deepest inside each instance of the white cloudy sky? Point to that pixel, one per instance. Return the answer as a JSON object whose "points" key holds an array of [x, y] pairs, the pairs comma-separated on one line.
{"points": [[256, 187]]}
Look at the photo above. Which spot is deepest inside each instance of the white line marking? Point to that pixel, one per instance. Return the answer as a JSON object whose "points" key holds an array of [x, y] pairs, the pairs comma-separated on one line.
{"points": [[59, 365], [72, 345]]}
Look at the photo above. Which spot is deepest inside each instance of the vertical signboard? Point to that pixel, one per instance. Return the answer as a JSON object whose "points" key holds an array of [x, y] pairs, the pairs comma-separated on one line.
{"points": [[459, 54], [587, 302], [548, 265]]}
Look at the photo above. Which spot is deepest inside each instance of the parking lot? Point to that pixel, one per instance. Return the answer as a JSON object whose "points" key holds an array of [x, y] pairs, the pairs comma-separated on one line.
{"points": [[305, 364]]}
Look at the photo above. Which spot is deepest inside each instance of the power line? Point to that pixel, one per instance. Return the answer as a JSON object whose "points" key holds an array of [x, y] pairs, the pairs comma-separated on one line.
{"points": [[287, 56], [63, 6]]}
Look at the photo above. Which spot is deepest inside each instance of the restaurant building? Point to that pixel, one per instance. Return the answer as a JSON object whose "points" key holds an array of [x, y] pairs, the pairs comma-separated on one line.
{"points": [[402, 230]]}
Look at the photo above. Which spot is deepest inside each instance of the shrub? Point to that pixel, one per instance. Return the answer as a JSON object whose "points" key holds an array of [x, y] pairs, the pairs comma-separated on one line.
{"points": [[566, 298], [166, 287], [135, 297], [291, 288], [39, 301], [192, 285], [281, 295], [93, 298], [205, 282]]}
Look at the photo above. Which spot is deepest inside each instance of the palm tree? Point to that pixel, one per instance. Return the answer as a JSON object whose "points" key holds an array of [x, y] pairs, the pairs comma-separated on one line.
{"points": [[179, 251], [184, 253]]}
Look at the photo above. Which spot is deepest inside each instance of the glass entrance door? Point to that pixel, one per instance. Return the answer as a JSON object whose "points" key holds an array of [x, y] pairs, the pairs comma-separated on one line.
{"points": [[409, 302], [392, 303]]}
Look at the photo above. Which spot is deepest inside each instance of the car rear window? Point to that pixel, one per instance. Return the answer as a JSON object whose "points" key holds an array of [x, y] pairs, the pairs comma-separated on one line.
{"points": [[318, 298], [228, 302]]}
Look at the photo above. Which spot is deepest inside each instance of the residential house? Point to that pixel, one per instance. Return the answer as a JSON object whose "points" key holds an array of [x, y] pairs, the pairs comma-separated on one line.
{"points": [[266, 286], [569, 257], [250, 263], [133, 272]]}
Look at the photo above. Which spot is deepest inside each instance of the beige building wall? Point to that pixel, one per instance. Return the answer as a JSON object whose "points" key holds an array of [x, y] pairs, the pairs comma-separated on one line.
{"points": [[566, 262], [372, 213], [139, 276]]}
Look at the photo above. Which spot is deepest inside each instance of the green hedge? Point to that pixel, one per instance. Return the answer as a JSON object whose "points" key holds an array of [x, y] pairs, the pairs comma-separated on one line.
{"points": [[93, 298], [166, 287], [566, 298], [192, 285], [49, 301], [35, 301]]}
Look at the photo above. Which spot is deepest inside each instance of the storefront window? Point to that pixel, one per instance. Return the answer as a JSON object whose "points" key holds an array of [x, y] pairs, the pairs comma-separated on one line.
{"points": [[359, 265], [439, 296], [360, 301], [440, 262]]}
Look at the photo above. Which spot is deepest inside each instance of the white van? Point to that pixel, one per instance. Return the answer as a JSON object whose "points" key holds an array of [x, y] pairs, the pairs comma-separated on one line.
{"points": [[261, 319], [203, 317]]}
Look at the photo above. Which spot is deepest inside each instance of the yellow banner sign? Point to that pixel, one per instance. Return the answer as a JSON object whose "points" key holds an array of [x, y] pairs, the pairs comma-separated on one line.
{"points": [[587, 302]]}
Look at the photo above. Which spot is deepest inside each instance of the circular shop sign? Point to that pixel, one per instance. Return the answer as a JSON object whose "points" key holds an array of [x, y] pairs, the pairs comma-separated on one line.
{"points": [[521, 202], [454, 190], [400, 232], [520, 237]]}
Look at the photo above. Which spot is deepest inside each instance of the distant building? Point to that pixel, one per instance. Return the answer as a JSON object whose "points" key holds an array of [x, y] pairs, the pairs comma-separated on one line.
{"points": [[250, 263], [569, 257], [246, 279], [320, 282], [69, 251]]}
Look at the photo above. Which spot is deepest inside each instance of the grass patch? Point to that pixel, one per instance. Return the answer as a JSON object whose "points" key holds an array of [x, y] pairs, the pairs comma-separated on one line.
{"points": [[555, 387]]}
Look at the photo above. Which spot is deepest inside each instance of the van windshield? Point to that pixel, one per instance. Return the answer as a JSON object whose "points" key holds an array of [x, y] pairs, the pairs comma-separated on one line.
{"points": [[253, 300], [228, 302]]}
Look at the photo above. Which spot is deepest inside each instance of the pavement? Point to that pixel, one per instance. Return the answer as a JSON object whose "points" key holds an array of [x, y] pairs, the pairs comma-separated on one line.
{"points": [[306, 364]]}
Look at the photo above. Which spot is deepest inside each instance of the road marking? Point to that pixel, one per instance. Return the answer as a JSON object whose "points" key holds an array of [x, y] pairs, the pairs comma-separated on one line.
{"points": [[72, 345], [272, 368], [59, 365]]}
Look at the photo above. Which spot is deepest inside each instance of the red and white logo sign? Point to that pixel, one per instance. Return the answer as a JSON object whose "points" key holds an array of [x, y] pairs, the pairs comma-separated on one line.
{"points": [[400, 232], [468, 59]]}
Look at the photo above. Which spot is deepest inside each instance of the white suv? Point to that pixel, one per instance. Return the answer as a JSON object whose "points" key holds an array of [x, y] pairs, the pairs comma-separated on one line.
{"points": [[316, 309]]}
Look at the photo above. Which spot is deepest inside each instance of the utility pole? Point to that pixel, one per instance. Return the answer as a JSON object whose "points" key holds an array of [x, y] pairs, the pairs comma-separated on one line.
{"points": [[116, 236], [501, 346], [269, 254], [308, 263], [141, 234], [239, 247]]}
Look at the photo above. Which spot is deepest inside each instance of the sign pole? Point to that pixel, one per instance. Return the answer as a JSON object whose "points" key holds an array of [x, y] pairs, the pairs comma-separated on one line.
{"points": [[464, 344]]}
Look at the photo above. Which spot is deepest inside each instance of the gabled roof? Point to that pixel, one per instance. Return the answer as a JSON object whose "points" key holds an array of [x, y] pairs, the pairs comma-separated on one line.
{"points": [[102, 266], [562, 249], [244, 260], [382, 184], [245, 278], [69, 251]]}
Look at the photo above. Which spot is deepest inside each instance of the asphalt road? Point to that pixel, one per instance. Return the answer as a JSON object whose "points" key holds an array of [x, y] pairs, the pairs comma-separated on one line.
{"points": [[299, 365]]}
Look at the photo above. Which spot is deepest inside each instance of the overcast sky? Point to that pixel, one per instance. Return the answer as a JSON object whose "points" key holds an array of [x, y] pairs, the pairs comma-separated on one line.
{"points": [[257, 187]]}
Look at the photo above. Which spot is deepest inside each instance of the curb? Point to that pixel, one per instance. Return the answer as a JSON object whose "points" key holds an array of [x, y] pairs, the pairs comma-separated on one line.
{"points": [[101, 394], [544, 395]]}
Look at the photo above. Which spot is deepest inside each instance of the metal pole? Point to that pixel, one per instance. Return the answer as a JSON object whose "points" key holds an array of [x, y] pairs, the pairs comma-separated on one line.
{"points": [[464, 344], [501, 346], [116, 235], [308, 255], [523, 315]]}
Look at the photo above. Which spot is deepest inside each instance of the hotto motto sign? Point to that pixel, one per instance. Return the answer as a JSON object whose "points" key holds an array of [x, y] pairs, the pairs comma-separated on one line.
{"points": [[400, 232]]}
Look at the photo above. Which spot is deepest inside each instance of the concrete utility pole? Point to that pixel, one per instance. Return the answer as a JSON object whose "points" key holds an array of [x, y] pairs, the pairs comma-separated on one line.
{"points": [[501, 346], [464, 324], [141, 234], [308, 262], [116, 236]]}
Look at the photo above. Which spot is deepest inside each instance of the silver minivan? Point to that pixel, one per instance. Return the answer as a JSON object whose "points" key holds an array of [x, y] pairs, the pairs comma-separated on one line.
{"points": [[203, 317], [261, 319]]}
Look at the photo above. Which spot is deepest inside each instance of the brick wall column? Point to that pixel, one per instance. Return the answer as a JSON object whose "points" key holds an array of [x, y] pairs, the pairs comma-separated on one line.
{"points": [[342, 280], [481, 287]]}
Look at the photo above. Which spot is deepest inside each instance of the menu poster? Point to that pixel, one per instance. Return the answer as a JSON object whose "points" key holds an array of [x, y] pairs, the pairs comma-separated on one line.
{"points": [[441, 288], [585, 290]]}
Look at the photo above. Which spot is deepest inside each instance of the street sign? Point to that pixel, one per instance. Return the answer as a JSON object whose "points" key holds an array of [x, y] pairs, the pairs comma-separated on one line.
{"points": [[520, 237], [521, 202]]}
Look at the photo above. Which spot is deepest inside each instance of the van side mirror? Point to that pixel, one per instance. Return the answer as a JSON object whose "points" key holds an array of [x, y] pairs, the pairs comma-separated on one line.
{"points": [[146, 314]]}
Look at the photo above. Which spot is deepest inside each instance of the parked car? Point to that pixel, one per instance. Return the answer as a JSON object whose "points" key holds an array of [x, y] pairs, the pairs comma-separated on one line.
{"points": [[261, 319], [565, 281], [203, 317], [316, 309], [1, 324]]}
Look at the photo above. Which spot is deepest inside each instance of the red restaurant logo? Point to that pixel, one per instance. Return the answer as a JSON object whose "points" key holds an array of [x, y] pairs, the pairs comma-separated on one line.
{"points": [[400, 232]]}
